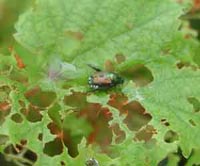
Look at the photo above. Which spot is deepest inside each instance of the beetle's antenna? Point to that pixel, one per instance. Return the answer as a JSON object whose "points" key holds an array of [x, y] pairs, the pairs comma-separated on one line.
{"points": [[93, 67]]}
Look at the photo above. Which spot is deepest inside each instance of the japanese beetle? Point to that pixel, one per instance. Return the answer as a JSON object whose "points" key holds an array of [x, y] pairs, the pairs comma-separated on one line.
{"points": [[102, 80]]}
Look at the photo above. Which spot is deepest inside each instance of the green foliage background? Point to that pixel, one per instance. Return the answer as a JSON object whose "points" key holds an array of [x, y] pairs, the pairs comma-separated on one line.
{"points": [[47, 108]]}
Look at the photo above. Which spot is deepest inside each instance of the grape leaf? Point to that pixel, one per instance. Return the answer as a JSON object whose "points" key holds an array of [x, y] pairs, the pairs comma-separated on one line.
{"points": [[28, 131], [166, 98], [136, 29], [144, 32]]}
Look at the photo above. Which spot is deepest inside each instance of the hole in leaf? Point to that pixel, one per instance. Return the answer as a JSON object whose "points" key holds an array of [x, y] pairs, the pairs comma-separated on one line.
{"points": [[67, 137], [23, 152], [5, 109], [145, 134], [40, 136], [30, 155], [6, 89], [32, 114], [23, 142], [3, 114], [53, 148], [62, 163], [180, 65], [165, 122], [17, 118], [11, 149], [120, 135], [32, 92], [5, 106], [73, 134], [3, 139], [106, 114], [136, 114], [19, 77], [71, 142], [118, 100], [120, 58], [140, 74], [192, 122], [170, 136], [54, 129], [76, 100], [98, 118], [195, 103], [19, 148], [89, 120], [22, 104], [39, 98]]}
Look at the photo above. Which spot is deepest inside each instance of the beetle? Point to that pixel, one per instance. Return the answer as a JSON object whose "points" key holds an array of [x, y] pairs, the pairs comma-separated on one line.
{"points": [[102, 80]]}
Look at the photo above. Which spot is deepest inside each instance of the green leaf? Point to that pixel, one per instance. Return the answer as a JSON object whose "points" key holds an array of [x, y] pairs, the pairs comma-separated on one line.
{"points": [[28, 131], [166, 99], [143, 154], [94, 32], [106, 29]]}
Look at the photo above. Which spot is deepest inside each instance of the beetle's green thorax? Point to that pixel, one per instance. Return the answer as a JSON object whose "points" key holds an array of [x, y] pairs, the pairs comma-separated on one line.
{"points": [[118, 79]]}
